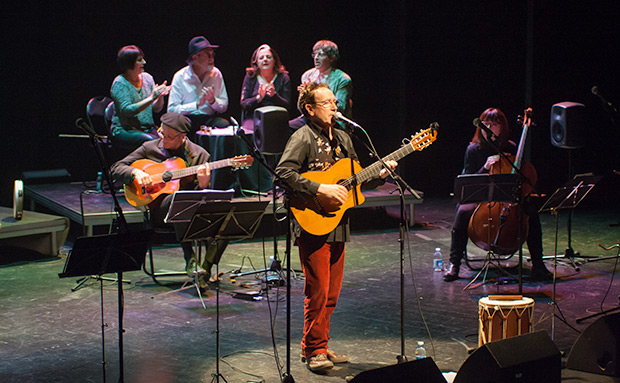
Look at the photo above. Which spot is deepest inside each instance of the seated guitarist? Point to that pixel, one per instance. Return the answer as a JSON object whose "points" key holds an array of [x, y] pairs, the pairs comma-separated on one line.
{"points": [[173, 142], [317, 146]]}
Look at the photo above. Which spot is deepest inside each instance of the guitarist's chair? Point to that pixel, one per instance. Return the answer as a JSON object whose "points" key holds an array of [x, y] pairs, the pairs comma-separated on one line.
{"points": [[115, 154], [163, 234], [96, 112]]}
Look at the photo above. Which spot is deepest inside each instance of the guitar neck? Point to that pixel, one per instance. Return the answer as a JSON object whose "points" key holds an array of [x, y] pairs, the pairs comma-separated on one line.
{"points": [[420, 141], [180, 173]]}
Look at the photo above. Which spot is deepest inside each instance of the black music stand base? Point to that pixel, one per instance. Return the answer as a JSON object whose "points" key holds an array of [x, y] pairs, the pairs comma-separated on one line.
{"points": [[481, 188], [506, 279], [82, 281], [192, 281], [106, 254], [224, 220]]}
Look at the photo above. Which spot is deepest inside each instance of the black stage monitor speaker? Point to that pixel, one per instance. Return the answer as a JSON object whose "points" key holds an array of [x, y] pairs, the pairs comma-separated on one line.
{"points": [[271, 129], [36, 177], [568, 120], [417, 371], [531, 358], [597, 349]]}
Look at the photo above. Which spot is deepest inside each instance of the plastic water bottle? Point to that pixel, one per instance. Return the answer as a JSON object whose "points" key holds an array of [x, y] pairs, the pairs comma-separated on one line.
{"points": [[420, 351], [99, 181], [437, 260]]}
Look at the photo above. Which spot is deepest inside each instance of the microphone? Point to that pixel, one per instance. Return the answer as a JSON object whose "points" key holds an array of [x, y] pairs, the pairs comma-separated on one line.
{"points": [[598, 94], [482, 126], [236, 127], [82, 124], [338, 116]]}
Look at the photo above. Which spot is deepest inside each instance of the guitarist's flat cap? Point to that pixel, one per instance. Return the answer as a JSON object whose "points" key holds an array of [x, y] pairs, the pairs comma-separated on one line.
{"points": [[176, 121]]}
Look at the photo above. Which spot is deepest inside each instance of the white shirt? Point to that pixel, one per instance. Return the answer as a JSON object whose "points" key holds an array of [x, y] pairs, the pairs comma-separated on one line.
{"points": [[186, 92]]}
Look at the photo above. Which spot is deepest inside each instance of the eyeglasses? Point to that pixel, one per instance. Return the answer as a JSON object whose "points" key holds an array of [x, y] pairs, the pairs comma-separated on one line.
{"points": [[167, 136], [328, 103], [318, 53]]}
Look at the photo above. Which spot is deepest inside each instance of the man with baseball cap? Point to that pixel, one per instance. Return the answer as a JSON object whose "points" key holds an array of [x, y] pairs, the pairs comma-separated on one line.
{"points": [[198, 90], [173, 142]]}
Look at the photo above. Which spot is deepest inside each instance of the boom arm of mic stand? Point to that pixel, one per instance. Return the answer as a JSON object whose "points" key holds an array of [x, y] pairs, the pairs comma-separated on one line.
{"points": [[396, 177], [123, 226]]}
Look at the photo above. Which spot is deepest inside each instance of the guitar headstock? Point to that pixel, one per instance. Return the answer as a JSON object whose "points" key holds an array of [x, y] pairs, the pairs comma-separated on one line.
{"points": [[424, 138], [244, 161]]}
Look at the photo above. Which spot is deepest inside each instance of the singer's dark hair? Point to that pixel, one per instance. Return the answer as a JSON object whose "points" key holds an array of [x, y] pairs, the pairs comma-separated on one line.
{"points": [[493, 115], [306, 96], [253, 69], [127, 56]]}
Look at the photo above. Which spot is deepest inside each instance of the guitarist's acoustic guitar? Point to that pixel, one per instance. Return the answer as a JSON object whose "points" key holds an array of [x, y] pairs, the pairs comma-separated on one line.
{"points": [[167, 175], [318, 214]]}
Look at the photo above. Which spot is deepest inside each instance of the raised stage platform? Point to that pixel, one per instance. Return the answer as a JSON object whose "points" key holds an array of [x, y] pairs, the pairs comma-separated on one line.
{"points": [[44, 233], [91, 208]]}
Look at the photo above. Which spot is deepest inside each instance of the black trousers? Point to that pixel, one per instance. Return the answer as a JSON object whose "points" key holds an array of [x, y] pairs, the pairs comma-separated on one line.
{"points": [[458, 246]]}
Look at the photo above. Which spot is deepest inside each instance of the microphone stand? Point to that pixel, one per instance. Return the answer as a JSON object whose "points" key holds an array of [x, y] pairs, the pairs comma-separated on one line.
{"points": [[402, 357], [122, 227], [96, 142], [286, 377]]}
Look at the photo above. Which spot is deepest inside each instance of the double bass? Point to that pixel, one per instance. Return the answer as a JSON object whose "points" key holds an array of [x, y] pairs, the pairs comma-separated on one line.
{"points": [[502, 227]]}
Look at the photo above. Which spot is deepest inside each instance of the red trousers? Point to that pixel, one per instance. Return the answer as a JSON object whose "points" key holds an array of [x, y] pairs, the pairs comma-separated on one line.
{"points": [[323, 267]]}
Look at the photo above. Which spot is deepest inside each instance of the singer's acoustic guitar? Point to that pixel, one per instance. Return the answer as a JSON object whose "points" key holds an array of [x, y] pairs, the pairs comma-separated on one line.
{"points": [[318, 214]]}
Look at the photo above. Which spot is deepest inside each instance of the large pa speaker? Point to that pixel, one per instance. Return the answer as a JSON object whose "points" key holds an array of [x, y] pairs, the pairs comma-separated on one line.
{"points": [[597, 350], [532, 358], [568, 121], [271, 129], [417, 371]]}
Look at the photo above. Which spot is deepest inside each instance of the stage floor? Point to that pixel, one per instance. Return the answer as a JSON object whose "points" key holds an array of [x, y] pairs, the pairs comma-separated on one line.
{"points": [[50, 333]]}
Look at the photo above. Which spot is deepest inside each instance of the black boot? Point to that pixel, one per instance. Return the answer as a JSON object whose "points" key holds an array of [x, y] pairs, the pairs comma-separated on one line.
{"points": [[452, 274], [540, 273]]}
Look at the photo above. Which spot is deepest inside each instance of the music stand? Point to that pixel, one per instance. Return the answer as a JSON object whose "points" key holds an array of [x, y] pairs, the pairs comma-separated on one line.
{"points": [[478, 188], [567, 197], [185, 203], [224, 220], [105, 254], [184, 206]]}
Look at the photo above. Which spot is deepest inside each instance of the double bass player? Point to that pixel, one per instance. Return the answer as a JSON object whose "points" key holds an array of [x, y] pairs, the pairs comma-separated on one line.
{"points": [[480, 156]]}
